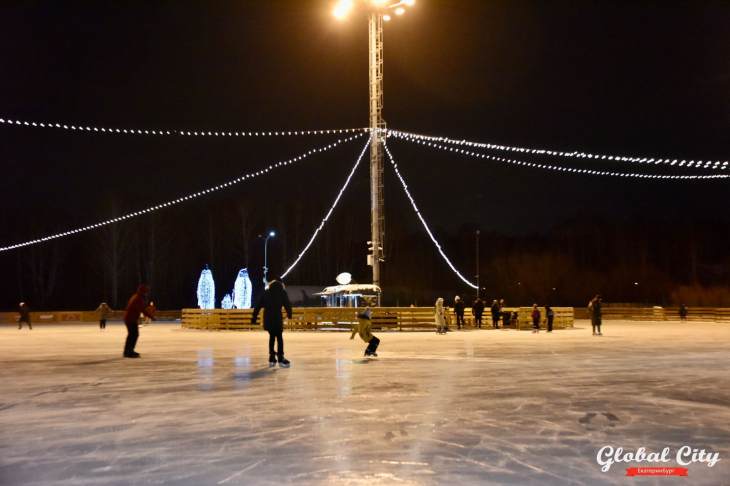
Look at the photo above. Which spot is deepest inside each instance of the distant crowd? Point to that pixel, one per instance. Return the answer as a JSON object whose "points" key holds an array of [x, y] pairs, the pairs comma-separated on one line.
{"points": [[498, 311]]}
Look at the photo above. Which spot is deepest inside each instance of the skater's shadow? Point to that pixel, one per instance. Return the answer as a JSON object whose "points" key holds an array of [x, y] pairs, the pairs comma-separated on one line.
{"points": [[361, 361], [92, 363], [248, 376]]}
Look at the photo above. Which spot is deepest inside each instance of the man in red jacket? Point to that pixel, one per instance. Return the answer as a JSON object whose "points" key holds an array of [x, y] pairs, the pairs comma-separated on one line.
{"points": [[135, 307]]}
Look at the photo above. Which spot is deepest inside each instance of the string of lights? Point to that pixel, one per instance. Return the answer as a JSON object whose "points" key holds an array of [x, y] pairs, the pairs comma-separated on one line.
{"points": [[329, 213], [181, 199], [571, 170], [697, 164], [187, 133], [423, 221]]}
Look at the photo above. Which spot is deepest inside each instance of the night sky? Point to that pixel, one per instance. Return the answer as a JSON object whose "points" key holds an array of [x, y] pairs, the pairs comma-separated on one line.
{"points": [[630, 78]]}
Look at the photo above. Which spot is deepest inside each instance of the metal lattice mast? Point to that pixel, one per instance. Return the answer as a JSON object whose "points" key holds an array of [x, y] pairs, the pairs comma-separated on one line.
{"points": [[377, 125]]}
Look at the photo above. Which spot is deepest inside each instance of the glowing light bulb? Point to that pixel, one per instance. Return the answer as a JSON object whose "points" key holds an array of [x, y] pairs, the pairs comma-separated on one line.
{"points": [[386, 17], [400, 11]]}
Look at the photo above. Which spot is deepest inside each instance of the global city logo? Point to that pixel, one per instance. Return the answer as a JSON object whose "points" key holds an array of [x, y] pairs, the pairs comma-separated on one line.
{"points": [[608, 455]]}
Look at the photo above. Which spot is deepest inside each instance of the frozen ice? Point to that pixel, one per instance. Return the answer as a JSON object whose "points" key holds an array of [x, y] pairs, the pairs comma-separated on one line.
{"points": [[471, 407]]}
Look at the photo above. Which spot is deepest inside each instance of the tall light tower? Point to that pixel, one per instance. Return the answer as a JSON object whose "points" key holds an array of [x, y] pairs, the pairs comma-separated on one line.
{"points": [[379, 11]]}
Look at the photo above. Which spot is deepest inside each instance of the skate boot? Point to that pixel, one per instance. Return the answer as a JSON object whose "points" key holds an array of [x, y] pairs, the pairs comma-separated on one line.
{"points": [[284, 363], [272, 361]]}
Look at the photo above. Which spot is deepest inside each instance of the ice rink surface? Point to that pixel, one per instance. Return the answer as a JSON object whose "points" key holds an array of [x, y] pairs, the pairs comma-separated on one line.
{"points": [[472, 407]]}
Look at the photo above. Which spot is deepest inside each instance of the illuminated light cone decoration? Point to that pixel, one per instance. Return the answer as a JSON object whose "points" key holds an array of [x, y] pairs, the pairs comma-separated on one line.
{"points": [[242, 290], [206, 289]]}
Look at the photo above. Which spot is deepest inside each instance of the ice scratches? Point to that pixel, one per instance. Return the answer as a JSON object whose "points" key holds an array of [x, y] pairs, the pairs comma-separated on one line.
{"points": [[489, 467], [245, 469], [400, 463]]}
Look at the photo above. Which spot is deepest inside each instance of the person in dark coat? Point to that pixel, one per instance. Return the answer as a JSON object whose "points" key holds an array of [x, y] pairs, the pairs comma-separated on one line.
{"points": [[683, 312], [595, 309], [459, 311], [549, 316], [477, 308], [135, 306], [24, 311], [535, 318], [272, 300], [495, 309]]}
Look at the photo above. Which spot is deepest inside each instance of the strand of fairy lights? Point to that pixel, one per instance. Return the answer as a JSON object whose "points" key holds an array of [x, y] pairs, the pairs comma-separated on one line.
{"points": [[187, 133], [329, 213], [571, 170], [188, 197], [423, 221], [697, 164]]}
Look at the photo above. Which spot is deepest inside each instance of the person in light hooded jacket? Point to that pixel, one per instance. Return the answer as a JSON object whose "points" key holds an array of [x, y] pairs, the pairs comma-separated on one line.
{"points": [[104, 312], [440, 316]]}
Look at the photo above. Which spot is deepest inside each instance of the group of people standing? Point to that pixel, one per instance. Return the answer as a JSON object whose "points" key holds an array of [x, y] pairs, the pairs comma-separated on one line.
{"points": [[497, 310]]}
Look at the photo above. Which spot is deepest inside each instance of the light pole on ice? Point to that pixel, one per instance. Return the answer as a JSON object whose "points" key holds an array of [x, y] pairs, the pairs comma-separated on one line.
{"points": [[379, 11]]}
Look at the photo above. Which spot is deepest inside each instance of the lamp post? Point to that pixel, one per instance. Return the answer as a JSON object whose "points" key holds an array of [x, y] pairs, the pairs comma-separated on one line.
{"points": [[270, 234], [477, 251], [379, 11]]}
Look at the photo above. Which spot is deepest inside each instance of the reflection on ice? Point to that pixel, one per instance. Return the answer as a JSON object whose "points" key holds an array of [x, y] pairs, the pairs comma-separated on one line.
{"points": [[205, 369]]}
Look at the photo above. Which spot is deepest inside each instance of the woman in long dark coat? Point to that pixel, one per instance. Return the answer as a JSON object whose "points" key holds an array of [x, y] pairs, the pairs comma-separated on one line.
{"points": [[272, 300]]}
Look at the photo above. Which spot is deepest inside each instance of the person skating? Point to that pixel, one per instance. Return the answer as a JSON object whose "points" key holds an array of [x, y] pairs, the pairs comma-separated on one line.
{"points": [[477, 308], [683, 312], [272, 300], [24, 311], [459, 311], [535, 319], [549, 316], [440, 316], [151, 310], [495, 314], [104, 312], [363, 328], [595, 309], [135, 307]]}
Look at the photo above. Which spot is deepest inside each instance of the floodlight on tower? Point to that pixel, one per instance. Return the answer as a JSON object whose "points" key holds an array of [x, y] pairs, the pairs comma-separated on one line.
{"points": [[344, 278]]}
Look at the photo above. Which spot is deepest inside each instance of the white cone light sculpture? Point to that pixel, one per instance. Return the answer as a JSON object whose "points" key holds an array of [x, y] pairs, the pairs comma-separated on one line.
{"points": [[242, 290], [206, 289]]}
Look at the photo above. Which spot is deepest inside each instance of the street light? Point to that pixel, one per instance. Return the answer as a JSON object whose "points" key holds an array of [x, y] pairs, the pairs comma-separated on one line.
{"points": [[378, 11], [271, 234]]}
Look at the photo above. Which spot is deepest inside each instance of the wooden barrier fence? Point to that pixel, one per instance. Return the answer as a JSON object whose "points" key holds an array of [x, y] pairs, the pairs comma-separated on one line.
{"points": [[635, 313], [59, 317], [339, 318]]}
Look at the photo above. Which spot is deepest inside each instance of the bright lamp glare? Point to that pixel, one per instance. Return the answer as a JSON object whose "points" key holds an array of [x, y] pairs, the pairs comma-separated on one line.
{"points": [[400, 11], [410, 3], [379, 3], [386, 17], [272, 234], [342, 9]]}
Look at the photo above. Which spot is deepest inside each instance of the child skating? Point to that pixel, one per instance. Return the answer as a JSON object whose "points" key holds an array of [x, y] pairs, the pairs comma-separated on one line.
{"points": [[363, 328]]}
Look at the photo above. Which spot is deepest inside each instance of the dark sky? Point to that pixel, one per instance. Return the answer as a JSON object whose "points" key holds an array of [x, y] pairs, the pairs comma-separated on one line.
{"points": [[644, 78]]}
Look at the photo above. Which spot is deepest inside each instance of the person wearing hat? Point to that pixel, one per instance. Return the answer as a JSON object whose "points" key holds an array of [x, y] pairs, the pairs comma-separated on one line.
{"points": [[24, 311], [104, 312], [459, 311], [363, 328], [135, 307]]}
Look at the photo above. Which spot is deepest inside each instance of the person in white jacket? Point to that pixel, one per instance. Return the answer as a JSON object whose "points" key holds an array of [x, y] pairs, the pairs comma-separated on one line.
{"points": [[440, 316]]}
